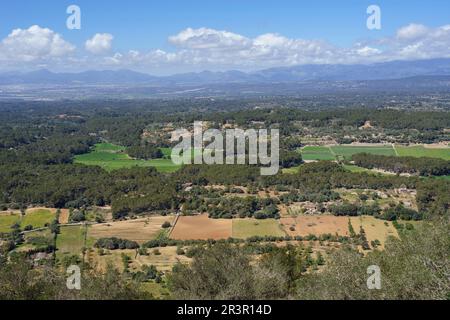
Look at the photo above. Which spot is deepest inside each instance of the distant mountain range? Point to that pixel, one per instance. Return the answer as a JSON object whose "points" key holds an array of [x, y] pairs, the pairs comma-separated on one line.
{"points": [[297, 74]]}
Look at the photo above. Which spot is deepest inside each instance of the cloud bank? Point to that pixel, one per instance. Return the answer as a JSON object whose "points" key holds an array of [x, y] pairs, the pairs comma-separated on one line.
{"points": [[205, 48]]}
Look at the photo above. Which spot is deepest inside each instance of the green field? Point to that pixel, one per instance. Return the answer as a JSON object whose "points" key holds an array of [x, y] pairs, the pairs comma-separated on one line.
{"points": [[70, 240], [421, 151], [246, 228], [292, 170], [343, 152], [7, 220], [353, 168], [38, 218], [348, 151], [112, 157], [317, 153]]}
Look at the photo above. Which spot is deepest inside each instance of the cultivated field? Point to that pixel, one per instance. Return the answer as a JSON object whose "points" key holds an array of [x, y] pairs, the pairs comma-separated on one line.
{"points": [[304, 225], [246, 228], [347, 152], [421, 151], [317, 153], [112, 157], [71, 240], [139, 230], [37, 218], [201, 228], [7, 219]]}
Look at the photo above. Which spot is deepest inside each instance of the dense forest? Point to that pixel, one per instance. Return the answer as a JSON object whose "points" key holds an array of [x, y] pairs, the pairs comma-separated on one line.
{"points": [[421, 166], [39, 141]]}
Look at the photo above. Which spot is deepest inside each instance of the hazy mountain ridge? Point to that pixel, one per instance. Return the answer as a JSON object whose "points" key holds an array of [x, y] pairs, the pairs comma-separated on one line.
{"points": [[358, 72]]}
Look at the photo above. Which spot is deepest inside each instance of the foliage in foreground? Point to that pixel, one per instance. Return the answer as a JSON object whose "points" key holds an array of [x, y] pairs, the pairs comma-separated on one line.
{"points": [[415, 267], [20, 280]]}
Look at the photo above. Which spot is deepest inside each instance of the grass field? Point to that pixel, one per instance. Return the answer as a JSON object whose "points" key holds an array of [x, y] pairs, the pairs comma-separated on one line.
{"points": [[348, 151], [246, 228], [292, 170], [353, 168], [344, 151], [38, 218], [421, 151], [317, 153], [375, 229], [71, 240], [7, 220], [112, 157]]}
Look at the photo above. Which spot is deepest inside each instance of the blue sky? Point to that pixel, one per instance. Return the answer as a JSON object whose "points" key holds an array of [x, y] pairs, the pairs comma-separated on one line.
{"points": [[144, 27]]}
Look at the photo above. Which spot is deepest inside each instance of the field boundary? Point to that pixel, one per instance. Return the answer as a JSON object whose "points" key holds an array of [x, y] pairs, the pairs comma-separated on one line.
{"points": [[173, 225]]}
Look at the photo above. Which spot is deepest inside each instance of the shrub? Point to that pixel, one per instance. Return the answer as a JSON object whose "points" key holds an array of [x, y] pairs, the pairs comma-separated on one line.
{"points": [[166, 225]]}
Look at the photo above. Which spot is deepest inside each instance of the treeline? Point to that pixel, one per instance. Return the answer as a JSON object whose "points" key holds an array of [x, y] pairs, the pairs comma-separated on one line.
{"points": [[115, 244], [145, 152], [392, 213], [421, 166], [139, 190]]}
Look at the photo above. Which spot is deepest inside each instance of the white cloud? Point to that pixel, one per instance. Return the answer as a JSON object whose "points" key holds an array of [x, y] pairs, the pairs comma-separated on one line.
{"points": [[205, 38], [368, 51], [205, 48], [100, 43], [412, 31], [34, 43]]}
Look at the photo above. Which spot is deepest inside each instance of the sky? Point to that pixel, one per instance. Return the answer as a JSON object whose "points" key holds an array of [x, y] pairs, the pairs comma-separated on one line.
{"points": [[175, 36]]}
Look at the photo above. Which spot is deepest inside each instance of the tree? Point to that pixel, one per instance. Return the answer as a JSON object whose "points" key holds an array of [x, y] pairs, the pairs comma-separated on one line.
{"points": [[223, 271]]}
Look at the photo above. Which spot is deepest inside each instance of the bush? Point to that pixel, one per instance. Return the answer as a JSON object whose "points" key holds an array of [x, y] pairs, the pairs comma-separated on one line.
{"points": [[115, 243], [166, 225]]}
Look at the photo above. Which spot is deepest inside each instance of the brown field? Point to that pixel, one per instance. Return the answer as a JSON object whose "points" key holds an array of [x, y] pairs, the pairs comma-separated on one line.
{"points": [[139, 230], [64, 216], [202, 228], [315, 224]]}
